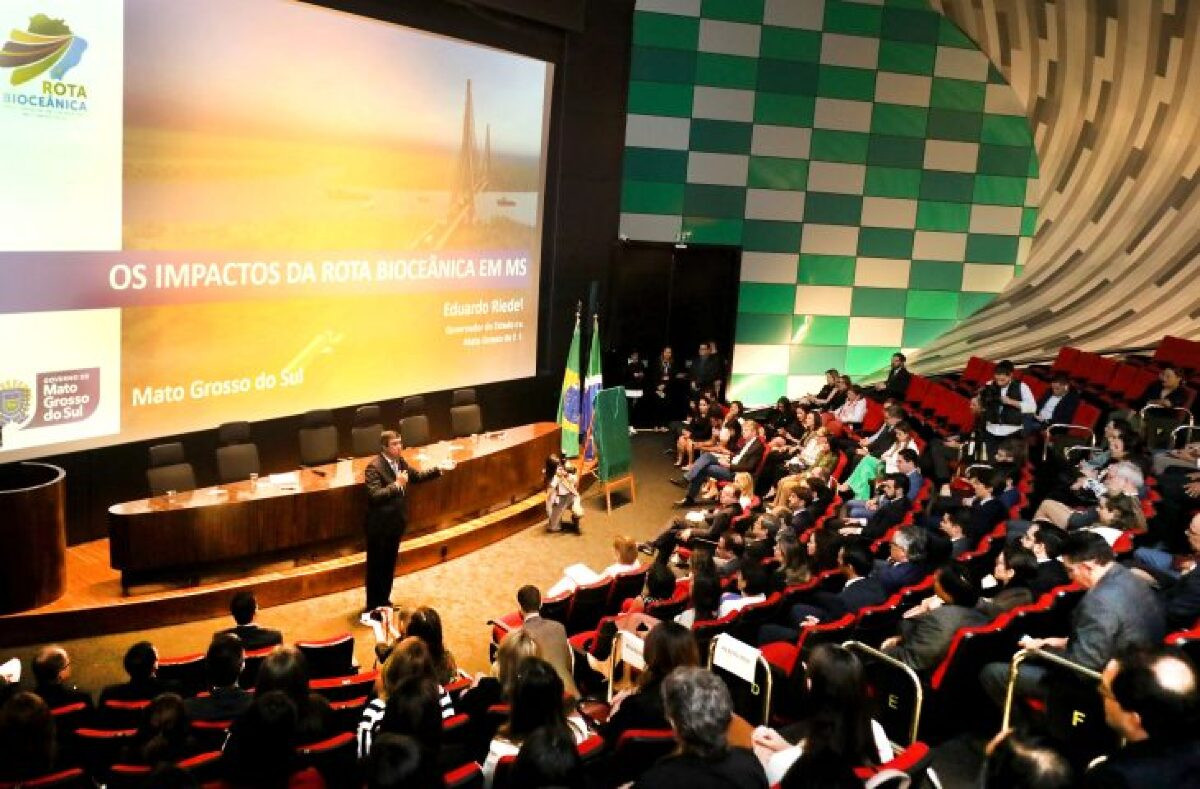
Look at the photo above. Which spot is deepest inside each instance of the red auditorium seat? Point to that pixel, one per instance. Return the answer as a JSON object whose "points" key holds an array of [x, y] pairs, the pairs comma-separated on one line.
{"points": [[589, 604], [99, 749], [117, 714], [63, 779], [186, 672], [336, 758], [636, 751], [347, 687], [1188, 641], [329, 657], [914, 762], [469, 776], [624, 586]]}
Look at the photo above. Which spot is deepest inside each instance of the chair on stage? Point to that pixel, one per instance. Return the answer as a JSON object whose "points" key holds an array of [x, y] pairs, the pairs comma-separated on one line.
{"points": [[414, 430], [318, 438], [237, 455], [466, 420], [463, 397], [364, 436], [169, 469], [412, 406]]}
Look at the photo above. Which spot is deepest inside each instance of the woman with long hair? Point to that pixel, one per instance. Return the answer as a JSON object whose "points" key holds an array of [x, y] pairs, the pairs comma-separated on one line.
{"points": [[408, 660], [426, 625], [286, 670], [164, 734], [668, 645], [837, 718]]}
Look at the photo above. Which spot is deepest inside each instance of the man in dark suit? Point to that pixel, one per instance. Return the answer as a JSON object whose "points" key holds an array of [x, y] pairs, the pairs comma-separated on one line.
{"points": [[1118, 612], [905, 564], [927, 630], [723, 467], [223, 664], [1151, 701], [1058, 405], [141, 664], [51, 676], [254, 636], [1046, 541], [987, 511], [387, 477], [896, 385], [889, 513], [712, 524]]}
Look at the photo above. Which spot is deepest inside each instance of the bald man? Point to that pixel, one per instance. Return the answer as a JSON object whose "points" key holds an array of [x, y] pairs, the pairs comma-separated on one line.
{"points": [[52, 674]]}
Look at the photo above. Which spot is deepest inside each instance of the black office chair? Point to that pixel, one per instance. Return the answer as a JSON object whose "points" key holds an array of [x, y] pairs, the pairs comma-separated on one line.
{"points": [[169, 469], [466, 420], [237, 455], [415, 430], [463, 397], [412, 406], [364, 436], [318, 438]]}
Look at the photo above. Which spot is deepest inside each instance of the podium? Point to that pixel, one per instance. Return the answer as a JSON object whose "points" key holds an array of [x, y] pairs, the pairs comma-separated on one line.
{"points": [[33, 538]]}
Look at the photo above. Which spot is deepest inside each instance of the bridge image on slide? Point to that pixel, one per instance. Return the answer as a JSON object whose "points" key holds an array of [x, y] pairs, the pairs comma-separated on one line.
{"points": [[470, 178]]}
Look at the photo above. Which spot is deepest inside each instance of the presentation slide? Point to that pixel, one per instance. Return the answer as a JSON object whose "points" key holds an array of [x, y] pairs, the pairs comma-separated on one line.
{"points": [[218, 210]]}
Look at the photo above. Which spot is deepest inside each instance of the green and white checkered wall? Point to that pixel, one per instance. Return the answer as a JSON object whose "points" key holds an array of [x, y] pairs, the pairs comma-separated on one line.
{"points": [[874, 166]]}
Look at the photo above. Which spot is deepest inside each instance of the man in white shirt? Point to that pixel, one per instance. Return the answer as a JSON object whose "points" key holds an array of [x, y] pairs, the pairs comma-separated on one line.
{"points": [[854, 410]]}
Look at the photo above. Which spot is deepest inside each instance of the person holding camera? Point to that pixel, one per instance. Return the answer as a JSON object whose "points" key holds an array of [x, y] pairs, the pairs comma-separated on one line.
{"points": [[1003, 405], [563, 495]]}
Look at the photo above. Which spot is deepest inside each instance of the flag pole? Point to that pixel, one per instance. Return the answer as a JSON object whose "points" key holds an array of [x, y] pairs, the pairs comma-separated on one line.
{"points": [[589, 466]]}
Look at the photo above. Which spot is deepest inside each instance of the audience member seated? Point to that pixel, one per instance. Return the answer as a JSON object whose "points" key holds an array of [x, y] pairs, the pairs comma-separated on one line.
{"points": [[537, 701], [551, 636], [1057, 406], [141, 664], [699, 707], [954, 526], [711, 465], [869, 468], [1003, 404], [244, 608], [222, 665], [1176, 578], [397, 762], [708, 525], [836, 717], [625, 551], [895, 386], [668, 646], [28, 745], [261, 748], [753, 586], [804, 470], [1151, 701], [695, 433], [851, 413], [1117, 612], [660, 585], [1019, 760], [414, 710], [549, 757], [987, 511], [860, 590], [890, 510], [905, 564], [426, 624], [927, 629], [706, 599], [731, 548], [496, 688], [1047, 542], [1016, 567], [1120, 478], [409, 660], [52, 674], [1117, 514], [823, 397], [286, 670], [164, 734]]}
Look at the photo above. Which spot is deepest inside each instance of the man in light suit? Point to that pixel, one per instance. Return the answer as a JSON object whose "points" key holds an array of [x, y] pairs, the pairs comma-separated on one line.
{"points": [[550, 636], [387, 479]]}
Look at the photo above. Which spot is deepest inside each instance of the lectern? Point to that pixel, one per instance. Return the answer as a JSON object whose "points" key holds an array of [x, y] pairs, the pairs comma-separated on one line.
{"points": [[33, 537]]}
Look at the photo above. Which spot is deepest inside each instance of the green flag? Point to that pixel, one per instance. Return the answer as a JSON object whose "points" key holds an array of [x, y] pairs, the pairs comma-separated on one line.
{"points": [[569, 401], [592, 383]]}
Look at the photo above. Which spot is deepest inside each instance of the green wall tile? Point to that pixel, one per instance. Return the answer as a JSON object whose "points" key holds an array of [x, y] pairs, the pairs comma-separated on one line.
{"points": [[713, 230], [753, 388], [935, 275], [783, 109], [815, 359], [986, 248], [883, 242], [957, 94], [651, 64], [771, 299], [826, 270], [667, 31], [999, 190], [769, 172], [1028, 221], [905, 57], [889, 151], [893, 182], [651, 197], [949, 187], [942, 304], [828, 145], [853, 18], [919, 332], [878, 302], [756, 329], [655, 164], [660, 98], [1004, 160], [832, 209], [763, 236], [714, 201], [786, 43], [733, 10], [950, 36], [843, 82], [899, 120], [909, 24], [720, 136], [943, 216], [1006, 130], [867, 359], [726, 71], [954, 125], [820, 329], [787, 76]]}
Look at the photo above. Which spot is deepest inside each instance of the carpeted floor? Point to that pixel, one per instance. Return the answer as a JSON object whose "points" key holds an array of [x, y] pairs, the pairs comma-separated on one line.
{"points": [[466, 592]]}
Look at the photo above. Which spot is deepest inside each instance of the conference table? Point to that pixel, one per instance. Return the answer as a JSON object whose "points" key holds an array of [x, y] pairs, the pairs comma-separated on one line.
{"points": [[321, 505]]}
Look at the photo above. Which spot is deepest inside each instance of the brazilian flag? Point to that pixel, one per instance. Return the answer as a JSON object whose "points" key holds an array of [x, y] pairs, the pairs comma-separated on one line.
{"points": [[569, 400]]}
